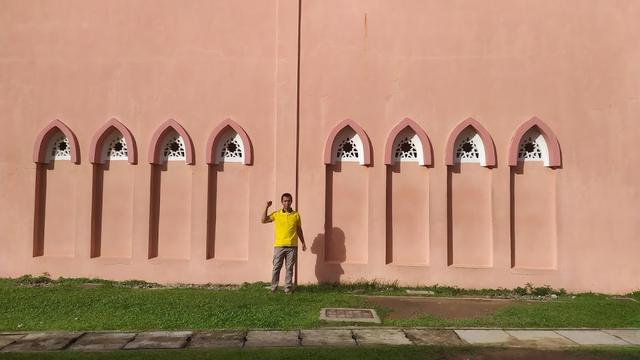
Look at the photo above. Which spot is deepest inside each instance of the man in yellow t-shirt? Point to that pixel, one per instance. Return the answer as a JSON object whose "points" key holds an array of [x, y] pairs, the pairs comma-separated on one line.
{"points": [[287, 230]]}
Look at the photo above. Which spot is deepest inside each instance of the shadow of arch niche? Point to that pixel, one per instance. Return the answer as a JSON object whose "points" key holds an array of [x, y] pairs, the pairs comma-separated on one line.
{"points": [[347, 198], [228, 195], [112, 200], [228, 211], [55, 200], [170, 202]]}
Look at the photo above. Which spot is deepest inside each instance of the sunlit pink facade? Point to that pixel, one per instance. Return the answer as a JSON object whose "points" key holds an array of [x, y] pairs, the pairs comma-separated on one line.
{"points": [[467, 143]]}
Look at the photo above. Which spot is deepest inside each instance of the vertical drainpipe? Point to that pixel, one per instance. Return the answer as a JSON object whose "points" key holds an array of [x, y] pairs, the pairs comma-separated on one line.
{"points": [[297, 124]]}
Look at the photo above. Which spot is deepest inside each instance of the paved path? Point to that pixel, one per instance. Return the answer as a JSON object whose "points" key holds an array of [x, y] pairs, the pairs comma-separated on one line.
{"points": [[356, 336]]}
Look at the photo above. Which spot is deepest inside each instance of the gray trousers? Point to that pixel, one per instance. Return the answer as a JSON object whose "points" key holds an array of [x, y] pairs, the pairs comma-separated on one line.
{"points": [[287, 254]]}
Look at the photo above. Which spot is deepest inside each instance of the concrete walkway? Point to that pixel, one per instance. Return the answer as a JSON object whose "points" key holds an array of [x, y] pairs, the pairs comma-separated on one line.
{"points": [[355, 336]]}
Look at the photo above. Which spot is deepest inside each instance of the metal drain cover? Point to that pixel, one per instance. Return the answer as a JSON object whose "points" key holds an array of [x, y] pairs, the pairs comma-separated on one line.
{"points": [[350, 315]]}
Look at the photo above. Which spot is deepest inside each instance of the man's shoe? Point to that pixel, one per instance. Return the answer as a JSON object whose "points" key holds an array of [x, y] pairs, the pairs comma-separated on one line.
{"points": [[273, 290], [287, 291]]}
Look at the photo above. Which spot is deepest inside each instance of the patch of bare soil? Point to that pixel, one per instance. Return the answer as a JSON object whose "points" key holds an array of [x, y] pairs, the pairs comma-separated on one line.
{"points": [[403, 307], [524, 354]]}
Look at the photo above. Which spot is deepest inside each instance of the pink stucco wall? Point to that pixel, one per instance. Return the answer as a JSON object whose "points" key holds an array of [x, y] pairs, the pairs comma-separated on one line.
{"points": [[288, 72]]}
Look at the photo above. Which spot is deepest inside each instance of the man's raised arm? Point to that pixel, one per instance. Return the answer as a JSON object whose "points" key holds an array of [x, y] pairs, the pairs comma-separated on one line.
{"points": [[265, 216]]}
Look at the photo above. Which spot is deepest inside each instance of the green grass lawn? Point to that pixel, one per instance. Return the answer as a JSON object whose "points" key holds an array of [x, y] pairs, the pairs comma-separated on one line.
{"points": [[64, 305]]}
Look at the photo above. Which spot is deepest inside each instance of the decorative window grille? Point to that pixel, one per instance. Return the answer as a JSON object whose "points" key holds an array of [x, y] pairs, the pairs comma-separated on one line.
{"points": [[173, 148], [529, 150], [533, 147], [230, 148], [348, 147], [469, 148], [59, 148], [115, 147], [407, 147]]}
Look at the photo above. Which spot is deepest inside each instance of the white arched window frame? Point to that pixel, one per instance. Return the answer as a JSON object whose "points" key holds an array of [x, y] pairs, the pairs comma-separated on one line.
{"points": [[115, 147], [347, 147], [230, 148], [407, 147], [533, 147], [173, 148], [469, 148], [59, 147]]}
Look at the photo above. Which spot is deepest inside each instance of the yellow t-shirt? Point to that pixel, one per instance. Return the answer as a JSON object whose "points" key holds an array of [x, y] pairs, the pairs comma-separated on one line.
{"points": [[285, 227]]}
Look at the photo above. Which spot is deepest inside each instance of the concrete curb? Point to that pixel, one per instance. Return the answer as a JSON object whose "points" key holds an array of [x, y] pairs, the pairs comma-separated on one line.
{"points": [[321, 337]]}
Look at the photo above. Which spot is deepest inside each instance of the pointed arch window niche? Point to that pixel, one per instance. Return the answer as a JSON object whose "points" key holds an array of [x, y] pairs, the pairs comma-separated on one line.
{"points": [[469, 148], [59, 147], [534, 157], [173, 148], [55, 153], [229, 154], [407, 147], [113, 149], [407, 155], [347, 149], [231, 148], [534, 140], [469, 202], [112, 199], [533, 147], [347, 142], [170, 151]]}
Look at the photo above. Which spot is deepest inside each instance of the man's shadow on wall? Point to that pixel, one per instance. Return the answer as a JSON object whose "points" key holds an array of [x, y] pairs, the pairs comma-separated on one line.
{"points": [[330, 253]]}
